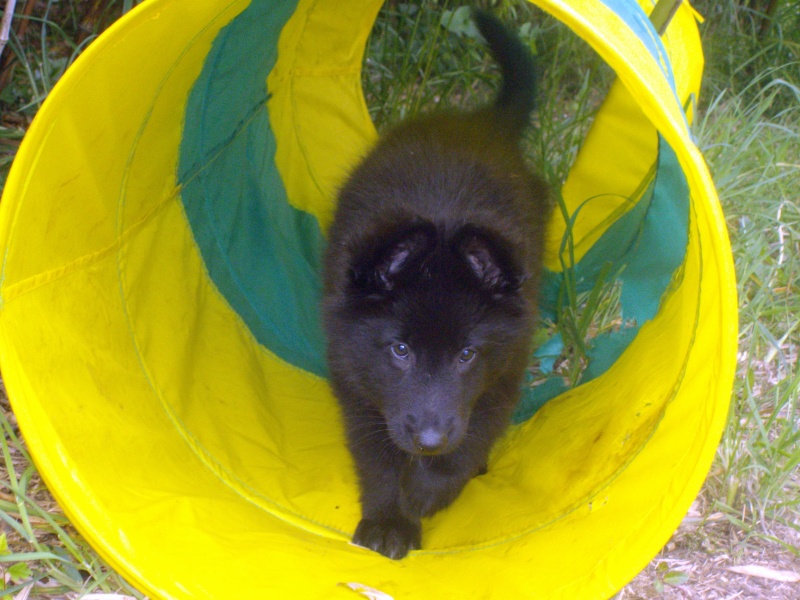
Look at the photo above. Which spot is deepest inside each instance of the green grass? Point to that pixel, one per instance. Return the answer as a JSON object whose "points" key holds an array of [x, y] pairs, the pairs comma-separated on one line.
{"points": [[749, 132], [748, 129], [413, 65], [757, 172]]}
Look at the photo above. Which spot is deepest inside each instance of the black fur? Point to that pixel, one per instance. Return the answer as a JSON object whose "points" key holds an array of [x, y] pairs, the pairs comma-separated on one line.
{"points": [[429, 303]]}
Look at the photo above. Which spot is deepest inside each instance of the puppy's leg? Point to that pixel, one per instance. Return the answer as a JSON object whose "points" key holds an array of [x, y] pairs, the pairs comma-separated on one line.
{"points": [[429, 484], [384, 527]]}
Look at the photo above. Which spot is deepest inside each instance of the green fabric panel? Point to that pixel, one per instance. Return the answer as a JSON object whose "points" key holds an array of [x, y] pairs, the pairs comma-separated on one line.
{"points": [[605, 351], [262, 254], [660, 247], [648, 244]]}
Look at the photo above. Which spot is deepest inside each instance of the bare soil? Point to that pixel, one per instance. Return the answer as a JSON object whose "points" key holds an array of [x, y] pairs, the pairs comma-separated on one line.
{"points": [[701, 555]]}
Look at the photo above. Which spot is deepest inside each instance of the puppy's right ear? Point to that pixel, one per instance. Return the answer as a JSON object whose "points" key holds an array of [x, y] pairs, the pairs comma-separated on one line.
{"points": [[384, 266]]}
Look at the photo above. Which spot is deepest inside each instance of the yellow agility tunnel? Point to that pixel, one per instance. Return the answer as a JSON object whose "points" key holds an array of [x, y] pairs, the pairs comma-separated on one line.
{"points": [[161, 230]]}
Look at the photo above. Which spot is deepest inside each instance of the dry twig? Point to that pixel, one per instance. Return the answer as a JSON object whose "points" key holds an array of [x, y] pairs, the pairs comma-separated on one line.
{"points": [[8, 15]]}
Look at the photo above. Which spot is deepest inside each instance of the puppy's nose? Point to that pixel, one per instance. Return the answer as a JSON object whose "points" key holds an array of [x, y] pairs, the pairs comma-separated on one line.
{"points": [[430, 441]]}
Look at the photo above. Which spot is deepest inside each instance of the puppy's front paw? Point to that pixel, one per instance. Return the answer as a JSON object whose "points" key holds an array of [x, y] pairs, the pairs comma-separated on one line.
{"points": [[393, 538]]}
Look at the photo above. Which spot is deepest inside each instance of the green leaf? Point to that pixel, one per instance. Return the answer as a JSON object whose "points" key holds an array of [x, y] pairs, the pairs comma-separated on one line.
{"points": [[19, 572], [20, 556], [3, 544], [676, 578], [459, 22], [528, 34], [68, 567], [659, 586], [407, 8]]}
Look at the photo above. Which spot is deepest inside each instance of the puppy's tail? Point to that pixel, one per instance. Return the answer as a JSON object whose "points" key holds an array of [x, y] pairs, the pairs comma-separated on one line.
{"points": [[516, 98]]}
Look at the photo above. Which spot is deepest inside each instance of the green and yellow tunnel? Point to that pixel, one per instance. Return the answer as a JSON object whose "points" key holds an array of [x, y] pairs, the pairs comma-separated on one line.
{"points": [[161, 232]]}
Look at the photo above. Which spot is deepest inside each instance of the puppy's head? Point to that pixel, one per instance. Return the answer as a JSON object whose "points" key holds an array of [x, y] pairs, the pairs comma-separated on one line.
{"points": [[434, 318]]}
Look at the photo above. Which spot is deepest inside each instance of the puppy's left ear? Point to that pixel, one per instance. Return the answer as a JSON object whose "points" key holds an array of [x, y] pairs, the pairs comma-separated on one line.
{"points": [[489, 260]]}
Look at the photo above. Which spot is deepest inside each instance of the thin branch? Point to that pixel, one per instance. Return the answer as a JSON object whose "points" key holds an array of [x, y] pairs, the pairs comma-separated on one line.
{"points": [[8, 15]]}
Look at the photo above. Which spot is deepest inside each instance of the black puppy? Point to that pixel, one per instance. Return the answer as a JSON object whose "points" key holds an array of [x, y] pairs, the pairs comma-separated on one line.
{"points": [[429, 304]]}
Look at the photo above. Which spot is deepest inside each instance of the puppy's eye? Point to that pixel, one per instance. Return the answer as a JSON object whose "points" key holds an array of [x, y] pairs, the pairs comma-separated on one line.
{"points": [[467, 355], [400, 351]]}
